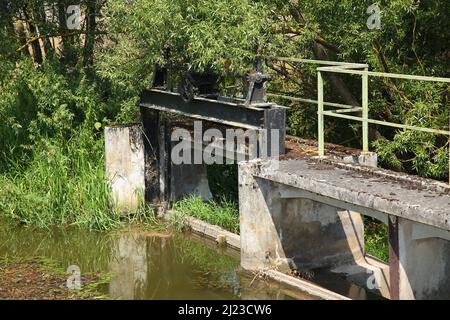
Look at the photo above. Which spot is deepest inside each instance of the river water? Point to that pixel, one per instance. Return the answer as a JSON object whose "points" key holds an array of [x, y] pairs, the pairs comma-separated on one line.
{"points": [[146, 264]]}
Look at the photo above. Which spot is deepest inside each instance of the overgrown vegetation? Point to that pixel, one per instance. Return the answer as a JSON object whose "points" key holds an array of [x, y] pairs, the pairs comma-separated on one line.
{"points": [[222, 210], [53, 108], [60, 87]]}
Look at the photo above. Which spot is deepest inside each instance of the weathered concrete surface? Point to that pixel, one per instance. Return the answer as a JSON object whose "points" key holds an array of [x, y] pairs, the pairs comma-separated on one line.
{"points": [[188, 179], [303, 285], [310, 234], [282, 232], [366, 189], [214, 232], [276, 233], [125, 168], [369, 159], [367, 272], [424, 263]]}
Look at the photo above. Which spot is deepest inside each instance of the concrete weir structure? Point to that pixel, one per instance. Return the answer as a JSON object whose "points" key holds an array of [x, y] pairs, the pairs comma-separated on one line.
{"points": [[159, 112], [297, 212], [306, 213]]}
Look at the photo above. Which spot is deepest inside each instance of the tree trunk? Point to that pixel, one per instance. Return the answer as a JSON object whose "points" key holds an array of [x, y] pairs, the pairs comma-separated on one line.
{"points": [[33, 32], [39, 13], [341, 88], [62, 25], [337, 83], [67, 43], [90, 36]]}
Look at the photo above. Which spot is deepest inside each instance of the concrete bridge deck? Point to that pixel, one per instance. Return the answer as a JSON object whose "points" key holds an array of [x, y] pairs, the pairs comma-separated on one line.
{"points": [[421, 200]]}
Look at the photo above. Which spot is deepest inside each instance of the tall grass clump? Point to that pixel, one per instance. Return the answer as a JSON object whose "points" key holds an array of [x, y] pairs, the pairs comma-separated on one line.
{"points": [[51, 148], [223, 213], [63, 184]]}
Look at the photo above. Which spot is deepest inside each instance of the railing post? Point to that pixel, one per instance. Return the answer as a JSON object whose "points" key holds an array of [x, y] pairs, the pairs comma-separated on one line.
{"points": [[320, 120], [365, 110]]}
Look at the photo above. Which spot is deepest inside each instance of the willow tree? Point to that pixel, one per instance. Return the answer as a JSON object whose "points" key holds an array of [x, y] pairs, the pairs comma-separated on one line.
{"points": [[179, 34], [412, 38], [124, 39]]}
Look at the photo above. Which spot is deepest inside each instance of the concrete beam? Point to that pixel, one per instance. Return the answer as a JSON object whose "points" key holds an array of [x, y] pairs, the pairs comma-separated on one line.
{"points": [[365, 189]]}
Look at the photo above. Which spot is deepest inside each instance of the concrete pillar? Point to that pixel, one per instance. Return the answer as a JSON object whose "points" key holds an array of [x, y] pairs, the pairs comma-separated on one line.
{"points": [[259, 237], [280, 230], [124, 154], [424, 257]]}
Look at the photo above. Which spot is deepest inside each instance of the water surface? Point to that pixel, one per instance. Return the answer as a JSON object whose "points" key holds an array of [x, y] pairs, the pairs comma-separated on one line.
{"points": [[146, 264]]}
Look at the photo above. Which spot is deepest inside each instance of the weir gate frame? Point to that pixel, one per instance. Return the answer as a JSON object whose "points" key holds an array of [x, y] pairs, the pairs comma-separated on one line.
{"points": [[162, 176]]}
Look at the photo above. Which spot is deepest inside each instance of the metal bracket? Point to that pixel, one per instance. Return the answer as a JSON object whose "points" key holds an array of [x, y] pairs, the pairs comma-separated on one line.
{"points": [[160, 77], [199, 84], [257, 85]]}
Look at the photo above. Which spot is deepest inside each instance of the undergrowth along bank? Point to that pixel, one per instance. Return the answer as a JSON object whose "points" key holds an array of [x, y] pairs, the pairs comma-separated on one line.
{"points": [[223, 213]]}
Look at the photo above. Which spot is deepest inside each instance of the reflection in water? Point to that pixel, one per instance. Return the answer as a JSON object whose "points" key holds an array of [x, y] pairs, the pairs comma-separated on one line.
{"points": [[146, 265], [129, 265]]}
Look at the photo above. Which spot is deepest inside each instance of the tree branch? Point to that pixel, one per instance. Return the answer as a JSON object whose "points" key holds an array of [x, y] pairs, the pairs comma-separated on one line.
{"points": [[68, 34]]}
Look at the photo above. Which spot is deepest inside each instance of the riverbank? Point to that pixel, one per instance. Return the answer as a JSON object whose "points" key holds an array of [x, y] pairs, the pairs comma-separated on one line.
{"points": [[42, 279]]}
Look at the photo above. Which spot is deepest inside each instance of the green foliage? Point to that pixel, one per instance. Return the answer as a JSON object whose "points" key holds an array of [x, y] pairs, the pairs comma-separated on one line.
{"points": [[412, 151], [224, 214], [60, 186], [411, 40], [52, 112], [223, 181], [222, 35], [376, 239], [52, 148]]}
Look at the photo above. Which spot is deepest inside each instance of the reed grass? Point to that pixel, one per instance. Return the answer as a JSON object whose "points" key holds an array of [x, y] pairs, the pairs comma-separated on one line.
{"points": [[64, 184], [223, 213]]}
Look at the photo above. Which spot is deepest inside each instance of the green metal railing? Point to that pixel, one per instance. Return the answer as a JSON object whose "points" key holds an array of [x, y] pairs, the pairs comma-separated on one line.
{"points": [[363, 71]]}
